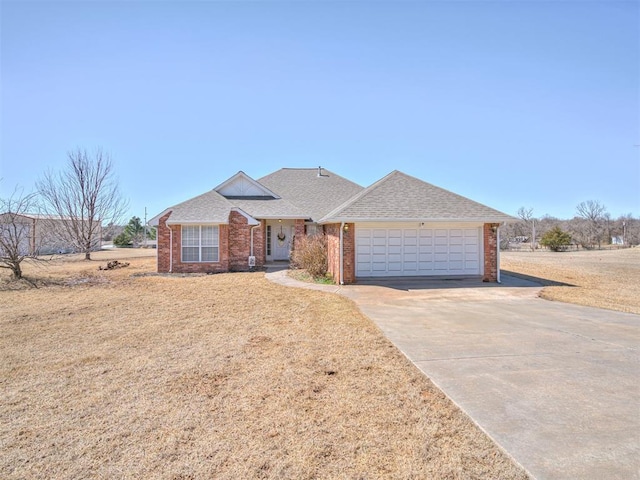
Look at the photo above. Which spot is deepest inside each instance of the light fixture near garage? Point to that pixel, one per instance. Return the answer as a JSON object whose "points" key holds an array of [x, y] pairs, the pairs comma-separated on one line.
{"points": [[494, 228], [346, 227]]}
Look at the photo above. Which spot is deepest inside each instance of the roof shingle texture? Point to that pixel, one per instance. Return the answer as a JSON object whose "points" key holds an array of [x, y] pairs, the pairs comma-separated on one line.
{"points": [[210, 207], [312, 194], [268, 208], [399, 196]]}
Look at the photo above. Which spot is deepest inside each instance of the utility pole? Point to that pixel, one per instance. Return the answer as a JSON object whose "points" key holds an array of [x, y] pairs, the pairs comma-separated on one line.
{"points": [[145, 227], [533, 239]]}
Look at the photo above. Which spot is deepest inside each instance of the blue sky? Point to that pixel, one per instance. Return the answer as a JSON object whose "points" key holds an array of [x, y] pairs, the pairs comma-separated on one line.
{"points": [[510, 103]]}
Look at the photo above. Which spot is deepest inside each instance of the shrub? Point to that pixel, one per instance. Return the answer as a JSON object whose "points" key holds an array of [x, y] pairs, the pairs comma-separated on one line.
{"points": [[556, 239], [122, 240], [310, 254]]}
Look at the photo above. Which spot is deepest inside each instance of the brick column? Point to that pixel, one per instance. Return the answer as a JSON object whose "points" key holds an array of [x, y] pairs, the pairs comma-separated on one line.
{"points": [[490, 252], [239, 242], [332, 232], [163, 237], [298, 232]]}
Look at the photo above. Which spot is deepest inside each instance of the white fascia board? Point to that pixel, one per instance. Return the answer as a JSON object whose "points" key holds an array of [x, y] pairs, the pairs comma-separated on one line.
{"points": [[406, 220], [253, 182], [250, 219], [283, 217], [198, 222], [155, 220]]}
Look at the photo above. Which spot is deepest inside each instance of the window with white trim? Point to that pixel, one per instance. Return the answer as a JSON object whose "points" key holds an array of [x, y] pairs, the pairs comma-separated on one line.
{"points": [[200, 243]]}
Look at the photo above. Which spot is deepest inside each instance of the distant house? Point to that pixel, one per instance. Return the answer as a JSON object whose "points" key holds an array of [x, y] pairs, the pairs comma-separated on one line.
{"points": [[399, 226], [43, 234]]}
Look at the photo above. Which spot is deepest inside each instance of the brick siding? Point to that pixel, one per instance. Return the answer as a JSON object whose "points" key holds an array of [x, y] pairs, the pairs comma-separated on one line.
{"points": [[332, 231], [490, 252], [234, 247], [165, 242]]}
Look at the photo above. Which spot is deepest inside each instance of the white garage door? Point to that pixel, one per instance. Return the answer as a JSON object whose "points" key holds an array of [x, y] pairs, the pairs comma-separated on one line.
{"points": [[383, 250]]}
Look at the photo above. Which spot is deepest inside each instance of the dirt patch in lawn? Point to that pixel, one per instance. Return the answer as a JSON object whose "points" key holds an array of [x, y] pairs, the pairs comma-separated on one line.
{"points": [[223, 376], [597, 278]]}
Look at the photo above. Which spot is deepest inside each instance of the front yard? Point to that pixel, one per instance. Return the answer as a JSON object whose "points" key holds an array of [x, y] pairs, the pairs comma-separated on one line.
{"points": [[109, 375], [595, 278]]}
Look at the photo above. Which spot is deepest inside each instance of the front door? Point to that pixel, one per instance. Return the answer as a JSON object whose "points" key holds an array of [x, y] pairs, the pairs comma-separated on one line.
{"points": [[281, 234]]}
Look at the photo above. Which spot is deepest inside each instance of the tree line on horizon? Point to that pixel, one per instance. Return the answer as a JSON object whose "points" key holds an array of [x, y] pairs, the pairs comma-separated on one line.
{"points": [[592, 227]]}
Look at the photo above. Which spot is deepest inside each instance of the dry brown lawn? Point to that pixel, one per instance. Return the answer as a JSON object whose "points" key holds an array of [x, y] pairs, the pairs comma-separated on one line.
{"points": [[597, 278], [118, 374]]}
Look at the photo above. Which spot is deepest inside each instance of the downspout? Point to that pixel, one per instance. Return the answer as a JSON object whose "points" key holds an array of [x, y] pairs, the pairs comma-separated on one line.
{"points": [[252, 228], [498, 255], [170, 249], [342, 253]]}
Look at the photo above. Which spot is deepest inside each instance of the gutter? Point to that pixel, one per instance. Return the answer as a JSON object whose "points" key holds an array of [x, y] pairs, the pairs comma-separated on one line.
{"points": [[473, 220], [252, 228], [170, 249], [341, 254], [498, 254]]}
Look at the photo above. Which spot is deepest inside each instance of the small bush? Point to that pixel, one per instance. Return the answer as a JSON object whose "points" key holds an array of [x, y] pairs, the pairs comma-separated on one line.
{"points": [[310, 254], [122, 240], [556, 239]]}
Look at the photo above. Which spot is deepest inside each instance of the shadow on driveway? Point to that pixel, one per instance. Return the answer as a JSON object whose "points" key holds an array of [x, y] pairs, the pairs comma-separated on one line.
{"points": [[508, 280]]}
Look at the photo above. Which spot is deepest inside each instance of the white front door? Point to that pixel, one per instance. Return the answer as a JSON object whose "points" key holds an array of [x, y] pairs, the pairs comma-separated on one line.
{"points": [[279, 235]]}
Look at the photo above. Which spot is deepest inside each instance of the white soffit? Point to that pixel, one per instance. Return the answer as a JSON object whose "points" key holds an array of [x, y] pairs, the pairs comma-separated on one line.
{"points": [[242, 185]]}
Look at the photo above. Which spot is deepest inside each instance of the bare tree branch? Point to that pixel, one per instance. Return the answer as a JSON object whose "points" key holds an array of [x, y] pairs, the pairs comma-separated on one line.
{"points": [[594, 213], [17, 231], [84, 195], [526, 214]]}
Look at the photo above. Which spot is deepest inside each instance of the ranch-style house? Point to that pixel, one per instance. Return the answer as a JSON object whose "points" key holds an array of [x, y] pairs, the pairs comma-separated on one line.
{"points": [[398, 226]]}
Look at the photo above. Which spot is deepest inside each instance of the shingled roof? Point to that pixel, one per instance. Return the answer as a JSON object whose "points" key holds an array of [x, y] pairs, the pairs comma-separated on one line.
{"points": [[401, 197], [268, 208], [210, 207], [322, 196], [315, 191]]}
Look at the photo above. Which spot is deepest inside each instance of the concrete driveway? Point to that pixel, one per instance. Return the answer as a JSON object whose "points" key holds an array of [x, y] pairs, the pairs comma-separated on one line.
{"points": [[556, 385]]}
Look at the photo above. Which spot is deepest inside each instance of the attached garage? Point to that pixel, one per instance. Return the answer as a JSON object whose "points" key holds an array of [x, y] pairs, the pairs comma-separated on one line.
{"points": [[417, 249], [402, 226]]}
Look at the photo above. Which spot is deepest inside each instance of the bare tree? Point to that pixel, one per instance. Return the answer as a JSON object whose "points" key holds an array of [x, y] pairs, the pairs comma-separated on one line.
{"points": [[628, 227], [84, 195], [17, 231], [594, 213], [526, 215]]}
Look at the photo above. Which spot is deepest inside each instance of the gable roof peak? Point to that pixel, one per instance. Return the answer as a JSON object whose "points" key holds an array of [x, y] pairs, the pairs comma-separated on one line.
{"points": [[401, 197], [242, 185]]}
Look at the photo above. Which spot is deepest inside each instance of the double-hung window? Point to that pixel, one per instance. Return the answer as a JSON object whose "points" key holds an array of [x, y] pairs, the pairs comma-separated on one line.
{"points": [[200, 243]]}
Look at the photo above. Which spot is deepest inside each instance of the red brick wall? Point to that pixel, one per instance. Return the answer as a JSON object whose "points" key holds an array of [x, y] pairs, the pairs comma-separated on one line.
{"points": [[298, 231], [163, 239], [490, 252], [164, 235], [259, 244], [332, 231], [239, 242], [349, 248]]}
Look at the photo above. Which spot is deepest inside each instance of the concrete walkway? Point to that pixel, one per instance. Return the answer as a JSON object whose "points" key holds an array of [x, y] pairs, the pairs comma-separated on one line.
{"points": [[555, 385]]}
